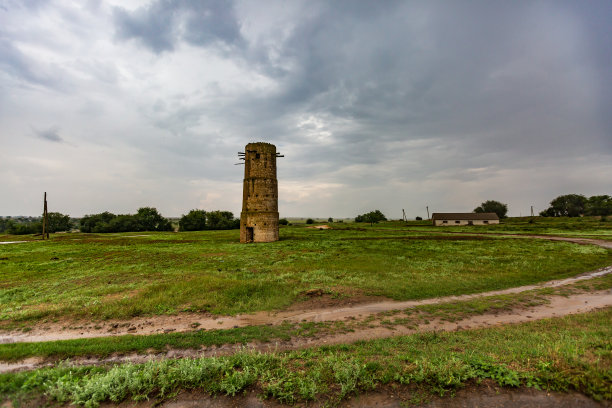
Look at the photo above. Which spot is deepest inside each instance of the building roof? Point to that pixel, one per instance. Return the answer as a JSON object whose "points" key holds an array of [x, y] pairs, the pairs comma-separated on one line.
{"points": [[464, 216]]}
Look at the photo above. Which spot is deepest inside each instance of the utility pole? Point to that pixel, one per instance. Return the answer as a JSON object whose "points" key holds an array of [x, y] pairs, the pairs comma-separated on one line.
{"points": [[404, 214], [532, 210], [45, 220], [427, 212]]}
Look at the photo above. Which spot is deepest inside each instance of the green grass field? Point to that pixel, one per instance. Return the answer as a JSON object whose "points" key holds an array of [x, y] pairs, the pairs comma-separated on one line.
{"points": [[103, 276], [571, 353]]}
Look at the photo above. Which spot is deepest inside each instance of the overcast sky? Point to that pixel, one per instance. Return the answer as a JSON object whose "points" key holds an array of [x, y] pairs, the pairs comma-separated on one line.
{"points": [[114, 105]]}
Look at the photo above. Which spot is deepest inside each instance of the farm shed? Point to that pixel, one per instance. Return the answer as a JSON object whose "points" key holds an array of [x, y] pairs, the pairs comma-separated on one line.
{"points": [[447, 219]]}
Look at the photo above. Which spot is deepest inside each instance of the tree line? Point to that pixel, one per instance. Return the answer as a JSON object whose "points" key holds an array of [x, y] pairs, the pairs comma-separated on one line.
{"points": [[33, 225], [576, 205], [145, 219], [200, 220], [568, 205], [149, 219]]}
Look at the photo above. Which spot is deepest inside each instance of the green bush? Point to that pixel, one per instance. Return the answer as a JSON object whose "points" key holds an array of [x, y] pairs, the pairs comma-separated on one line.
{"points": [[25, 229], [146, 219], [221, 220], [58, 222], [371, 217], [195, 220], [492, 206]]}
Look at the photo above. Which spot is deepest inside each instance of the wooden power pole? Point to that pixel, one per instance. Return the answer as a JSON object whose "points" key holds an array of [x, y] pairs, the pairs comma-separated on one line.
{"points": [[404, 214], [427, 212], [532, 210], [45, 221]]}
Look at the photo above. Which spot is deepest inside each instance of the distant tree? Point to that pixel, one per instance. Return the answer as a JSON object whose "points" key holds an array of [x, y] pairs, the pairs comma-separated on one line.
{"points": [[25, 228], [221, 220], [195, 220], [89, 223], [283, 221], [419, 218], [371, 217], [549, 212], [569, 205], [5, 224], [123, 223], [310, 221], [330, 219], [151, 220], [58, 222], [492, 206], [599, 205], [146, 219]]}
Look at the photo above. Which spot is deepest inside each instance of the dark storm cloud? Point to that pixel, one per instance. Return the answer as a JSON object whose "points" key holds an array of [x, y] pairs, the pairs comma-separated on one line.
{"points": [[499, 81], [50, 134], [163, 23], [505, 78], [431, 102]]}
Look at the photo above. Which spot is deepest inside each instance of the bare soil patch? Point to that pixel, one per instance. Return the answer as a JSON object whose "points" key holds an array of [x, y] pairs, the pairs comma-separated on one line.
{"points": [[338, 297]]}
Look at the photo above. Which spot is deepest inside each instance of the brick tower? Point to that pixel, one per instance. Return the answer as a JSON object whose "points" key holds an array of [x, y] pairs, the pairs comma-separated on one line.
{"points": [[259, 217]]}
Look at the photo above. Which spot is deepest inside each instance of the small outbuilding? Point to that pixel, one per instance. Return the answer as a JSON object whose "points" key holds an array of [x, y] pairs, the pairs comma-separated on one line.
{"points": [[447, 219]]}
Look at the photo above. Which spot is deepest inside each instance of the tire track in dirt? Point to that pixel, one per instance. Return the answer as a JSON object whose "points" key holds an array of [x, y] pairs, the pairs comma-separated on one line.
{"points": [[558, 307], [191, 321]]}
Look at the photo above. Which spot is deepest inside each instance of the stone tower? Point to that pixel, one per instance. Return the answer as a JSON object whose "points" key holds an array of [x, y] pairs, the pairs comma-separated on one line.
{"points": [[259, 217]]}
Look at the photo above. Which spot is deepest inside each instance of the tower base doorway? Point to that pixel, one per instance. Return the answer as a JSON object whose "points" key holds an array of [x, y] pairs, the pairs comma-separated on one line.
{"points": [[250, 234]]}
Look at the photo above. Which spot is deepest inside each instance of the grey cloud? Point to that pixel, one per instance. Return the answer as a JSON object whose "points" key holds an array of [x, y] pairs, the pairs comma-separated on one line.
{"points": [[50, 134], [33, 5], [16, 64], [472, 75], [163, 23], [410, 70], [382, 102]]}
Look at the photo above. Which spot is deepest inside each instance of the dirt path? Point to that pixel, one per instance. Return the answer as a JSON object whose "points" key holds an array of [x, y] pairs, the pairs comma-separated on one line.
{"points": [[190, 321], [558, 306]]}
